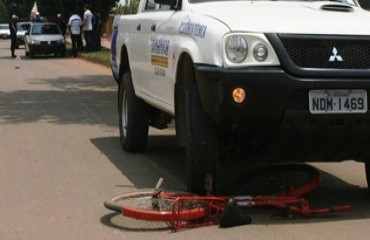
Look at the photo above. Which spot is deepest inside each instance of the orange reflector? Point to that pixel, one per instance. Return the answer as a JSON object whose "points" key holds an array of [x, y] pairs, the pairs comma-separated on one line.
{"points": [[239, 95]]}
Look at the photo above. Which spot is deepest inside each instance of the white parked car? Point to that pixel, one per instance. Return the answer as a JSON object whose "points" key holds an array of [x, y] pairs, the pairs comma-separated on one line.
{"points": [[247, 82], [44, 38], [4, 30]]}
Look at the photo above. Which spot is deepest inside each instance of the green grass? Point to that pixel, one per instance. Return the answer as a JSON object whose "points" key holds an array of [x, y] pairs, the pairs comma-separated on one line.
{"points": [[100, 57]]}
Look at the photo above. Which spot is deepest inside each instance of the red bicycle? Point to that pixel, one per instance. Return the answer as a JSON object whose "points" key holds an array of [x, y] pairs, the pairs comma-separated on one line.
{"points": [[280, 186]]}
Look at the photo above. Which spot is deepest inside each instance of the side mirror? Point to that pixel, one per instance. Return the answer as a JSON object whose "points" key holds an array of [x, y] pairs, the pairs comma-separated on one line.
{"points": [[27, 33]]}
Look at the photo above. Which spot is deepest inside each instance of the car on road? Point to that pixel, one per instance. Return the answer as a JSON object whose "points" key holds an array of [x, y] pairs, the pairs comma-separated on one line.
{"points": [[44, 38], [22, 29], [4, 30]]}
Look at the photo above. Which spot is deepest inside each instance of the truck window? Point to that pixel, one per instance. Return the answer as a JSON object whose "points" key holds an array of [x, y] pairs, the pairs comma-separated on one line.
{"points": [[152, 6]]}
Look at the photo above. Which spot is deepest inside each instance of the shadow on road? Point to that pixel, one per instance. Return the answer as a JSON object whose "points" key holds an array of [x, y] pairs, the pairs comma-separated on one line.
{"points": [[118, 221], [78, 100], [162, 159], [6, 57]]}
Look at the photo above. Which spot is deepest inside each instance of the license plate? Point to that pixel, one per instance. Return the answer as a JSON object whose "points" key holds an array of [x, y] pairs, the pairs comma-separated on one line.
{"points": [[338, 101]]}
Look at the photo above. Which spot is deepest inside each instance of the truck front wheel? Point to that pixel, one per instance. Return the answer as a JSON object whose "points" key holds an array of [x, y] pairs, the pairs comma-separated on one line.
{"points": [[133, 117], [202, 150], [367, 173]]}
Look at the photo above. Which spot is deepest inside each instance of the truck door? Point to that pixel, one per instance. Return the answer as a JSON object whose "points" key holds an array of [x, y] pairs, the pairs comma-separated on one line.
{"points": [[153, 53]]}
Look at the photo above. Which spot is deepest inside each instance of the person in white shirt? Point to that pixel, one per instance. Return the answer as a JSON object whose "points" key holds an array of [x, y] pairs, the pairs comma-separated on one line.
{"points": [[74, 27], [88, 28]]}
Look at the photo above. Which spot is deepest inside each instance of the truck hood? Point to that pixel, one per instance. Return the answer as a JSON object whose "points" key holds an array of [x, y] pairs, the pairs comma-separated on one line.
{"points": [[289, 17]]}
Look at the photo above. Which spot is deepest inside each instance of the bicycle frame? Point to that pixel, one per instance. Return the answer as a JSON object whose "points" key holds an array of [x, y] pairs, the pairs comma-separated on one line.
{"points": [[186, 210], [213, 208]]}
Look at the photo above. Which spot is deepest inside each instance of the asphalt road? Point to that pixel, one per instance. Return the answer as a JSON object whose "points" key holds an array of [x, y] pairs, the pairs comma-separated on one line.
{"points": [[60, 157]]}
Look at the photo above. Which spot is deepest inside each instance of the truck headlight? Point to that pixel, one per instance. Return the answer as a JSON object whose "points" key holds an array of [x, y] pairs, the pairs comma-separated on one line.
{"points": [[236, 48], [260, 52], [247, 50]]}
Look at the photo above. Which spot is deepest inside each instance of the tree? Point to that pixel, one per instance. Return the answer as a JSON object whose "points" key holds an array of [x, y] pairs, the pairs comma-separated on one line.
{"points": [[50, 8], [102, 6], [4, 15], [127, 8], [21, 8]]}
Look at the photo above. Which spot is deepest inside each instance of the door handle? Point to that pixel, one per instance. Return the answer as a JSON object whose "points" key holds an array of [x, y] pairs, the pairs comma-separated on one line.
{"points": [[138, 27], [153, 27]]}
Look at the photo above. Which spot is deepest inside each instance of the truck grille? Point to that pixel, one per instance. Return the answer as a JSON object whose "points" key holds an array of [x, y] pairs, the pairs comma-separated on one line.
{"points": [[316, 51]]}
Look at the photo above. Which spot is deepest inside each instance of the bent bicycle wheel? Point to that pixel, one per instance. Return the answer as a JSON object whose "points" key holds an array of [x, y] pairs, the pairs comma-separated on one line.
{"points": [[275, 180], [142, 205]]}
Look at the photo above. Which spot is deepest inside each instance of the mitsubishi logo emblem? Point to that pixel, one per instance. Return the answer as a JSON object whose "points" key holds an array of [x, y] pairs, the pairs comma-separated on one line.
{"points": [[335, 56]]}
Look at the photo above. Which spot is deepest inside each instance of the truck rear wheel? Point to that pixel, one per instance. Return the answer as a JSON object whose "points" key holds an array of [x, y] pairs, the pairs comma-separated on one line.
{"points": [[133, 117], [202, 156]]}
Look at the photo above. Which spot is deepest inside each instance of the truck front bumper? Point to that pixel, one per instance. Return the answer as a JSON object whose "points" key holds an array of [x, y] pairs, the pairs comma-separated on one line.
{"points": [[276, 114]]}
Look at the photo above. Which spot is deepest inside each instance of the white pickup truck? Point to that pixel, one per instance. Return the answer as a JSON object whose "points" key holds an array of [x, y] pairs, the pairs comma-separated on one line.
{"points": [[246, 82]]}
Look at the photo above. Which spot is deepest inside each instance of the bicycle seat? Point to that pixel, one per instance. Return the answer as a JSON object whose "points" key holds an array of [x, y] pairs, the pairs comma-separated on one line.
{"points": [[233, 216]]}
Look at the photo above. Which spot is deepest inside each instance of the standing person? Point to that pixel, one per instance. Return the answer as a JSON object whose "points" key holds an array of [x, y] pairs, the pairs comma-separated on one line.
{"points": [[74, 27], [38, 18], [61, 24], [88, 27], [13, 34], [97, 32]]}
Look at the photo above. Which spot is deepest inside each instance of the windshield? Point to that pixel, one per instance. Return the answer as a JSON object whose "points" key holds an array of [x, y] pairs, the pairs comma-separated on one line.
{"points": [[349, 2], [4, 27], [23, 27], [45, 29]]}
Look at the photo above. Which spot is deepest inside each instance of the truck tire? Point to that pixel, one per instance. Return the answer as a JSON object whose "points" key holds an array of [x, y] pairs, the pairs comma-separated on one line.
{"points": [[202, 156], [133, 117]]}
